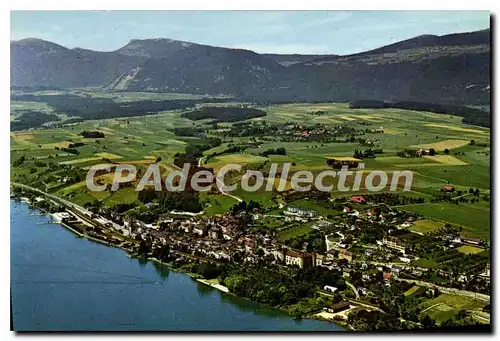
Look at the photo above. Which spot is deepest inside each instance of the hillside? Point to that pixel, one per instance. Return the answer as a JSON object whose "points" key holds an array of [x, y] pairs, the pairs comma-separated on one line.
{"points": [[447, 69]]}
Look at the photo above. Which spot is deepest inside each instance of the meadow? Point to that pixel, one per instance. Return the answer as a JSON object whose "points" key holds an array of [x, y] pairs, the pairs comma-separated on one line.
{"points": [[148, 139]]}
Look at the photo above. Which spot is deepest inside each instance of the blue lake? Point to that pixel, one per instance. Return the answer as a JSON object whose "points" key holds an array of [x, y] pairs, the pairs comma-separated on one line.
{"points": [[62, 282]]}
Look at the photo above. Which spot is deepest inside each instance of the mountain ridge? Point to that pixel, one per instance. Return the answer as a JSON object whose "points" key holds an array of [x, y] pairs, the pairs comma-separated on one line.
{"points": [[451, 68]]}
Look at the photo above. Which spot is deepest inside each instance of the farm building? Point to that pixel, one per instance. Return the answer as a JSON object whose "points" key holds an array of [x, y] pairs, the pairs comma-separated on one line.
{"points": [[339, 161], [335, 308]]}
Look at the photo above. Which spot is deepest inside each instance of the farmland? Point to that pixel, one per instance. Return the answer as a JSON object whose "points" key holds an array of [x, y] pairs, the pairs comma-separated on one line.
{"points": [[153, 139], [446, 306], [449, 198], [474, 221], [468, 249]]}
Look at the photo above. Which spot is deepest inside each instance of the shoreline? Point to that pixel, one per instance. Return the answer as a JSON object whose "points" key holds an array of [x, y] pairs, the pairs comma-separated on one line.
{"points": [[196, 277]]}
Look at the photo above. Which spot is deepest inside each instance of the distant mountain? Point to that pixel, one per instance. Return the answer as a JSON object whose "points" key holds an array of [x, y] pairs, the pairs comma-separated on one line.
{"points": [[36, 62], [453, 68]]}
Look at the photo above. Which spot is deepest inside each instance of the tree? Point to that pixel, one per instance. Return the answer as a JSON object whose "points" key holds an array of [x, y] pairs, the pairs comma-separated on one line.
{"points": [[447, 151], [428, 322], [436, 292]]}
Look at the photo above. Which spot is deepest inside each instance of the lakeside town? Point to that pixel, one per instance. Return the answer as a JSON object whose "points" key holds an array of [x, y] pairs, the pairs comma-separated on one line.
{"points": [[352, 268], [243, 171]]}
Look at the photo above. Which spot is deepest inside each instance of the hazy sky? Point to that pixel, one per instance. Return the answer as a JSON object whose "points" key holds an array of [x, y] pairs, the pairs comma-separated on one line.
{"points": [[336, 32]]}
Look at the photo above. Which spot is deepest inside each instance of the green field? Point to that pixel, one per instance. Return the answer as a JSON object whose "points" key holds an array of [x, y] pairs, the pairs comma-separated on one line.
{"points": [[474, 221], [447, 306], [426, 226], [294, 231], [470, 249]]}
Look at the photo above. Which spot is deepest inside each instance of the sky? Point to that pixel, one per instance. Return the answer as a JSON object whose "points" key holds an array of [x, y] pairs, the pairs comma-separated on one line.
{"points": [[305, 32]]}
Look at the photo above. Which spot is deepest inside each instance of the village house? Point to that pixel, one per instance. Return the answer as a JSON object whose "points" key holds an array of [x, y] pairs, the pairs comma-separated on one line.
{"points": [[486, 273], [278, 255], [448, 189], [387, 276], [187, 226], [417, 273], [227, 236], [295, 218], [320, 224], [166, 220], [345, 255], [329, 288], [363, 291], [395, 270], [406, 224], [215, 233], [248, 244]]}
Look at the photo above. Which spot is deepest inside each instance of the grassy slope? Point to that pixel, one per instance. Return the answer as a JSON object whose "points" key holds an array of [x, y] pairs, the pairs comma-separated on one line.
{"points": [[140, 138]]}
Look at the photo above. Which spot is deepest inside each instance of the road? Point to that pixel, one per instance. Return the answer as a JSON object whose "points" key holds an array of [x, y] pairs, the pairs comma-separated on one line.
{"points": [[373, 307], [353, 289], [200, 161], [220, 184], [86, 213]]}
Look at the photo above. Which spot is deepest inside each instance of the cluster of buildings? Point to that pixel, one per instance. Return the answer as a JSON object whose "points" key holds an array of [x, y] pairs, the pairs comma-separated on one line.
{"points": [[226, 238]]}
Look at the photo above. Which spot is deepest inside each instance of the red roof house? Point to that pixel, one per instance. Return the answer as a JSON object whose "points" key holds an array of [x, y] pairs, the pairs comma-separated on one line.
{"points": [[358, 199]]}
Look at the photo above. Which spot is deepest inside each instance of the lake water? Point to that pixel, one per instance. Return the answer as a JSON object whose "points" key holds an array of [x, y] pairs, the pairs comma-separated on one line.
{"points": [[62, 282]]}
